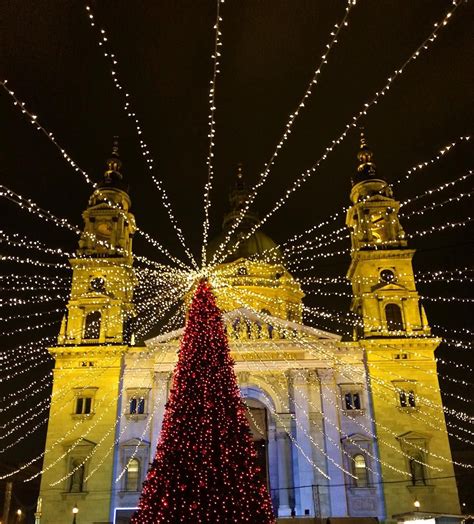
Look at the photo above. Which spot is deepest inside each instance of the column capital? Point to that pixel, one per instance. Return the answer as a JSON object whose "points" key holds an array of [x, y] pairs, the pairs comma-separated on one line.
{"points": [[163, 376], [283, 422], [299, 376], [243, 377], [325, 374], [315, 417]]}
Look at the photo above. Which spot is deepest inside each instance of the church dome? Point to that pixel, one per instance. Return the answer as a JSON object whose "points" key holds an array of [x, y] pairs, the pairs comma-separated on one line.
{"points": [[258, 246]]}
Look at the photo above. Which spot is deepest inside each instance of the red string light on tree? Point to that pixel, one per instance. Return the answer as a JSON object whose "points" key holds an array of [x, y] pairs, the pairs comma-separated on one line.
{"points": [[205, 466]]}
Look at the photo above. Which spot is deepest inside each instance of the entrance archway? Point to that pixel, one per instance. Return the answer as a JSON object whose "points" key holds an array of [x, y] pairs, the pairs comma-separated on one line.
{"points": [[257, 417]]}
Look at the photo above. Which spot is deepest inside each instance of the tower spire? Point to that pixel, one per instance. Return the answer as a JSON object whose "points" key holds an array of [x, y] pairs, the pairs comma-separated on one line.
{"points": [[113, 176], [366, 168], [114, 164], [237, 198]]}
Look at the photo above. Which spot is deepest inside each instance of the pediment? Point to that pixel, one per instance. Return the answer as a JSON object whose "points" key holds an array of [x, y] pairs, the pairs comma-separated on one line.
{"points": [[79, 444], [247, 314], [357, 437], [134, 442], [392, 286], [100, 206], [379, 198], [413, 435], [280, 322]]}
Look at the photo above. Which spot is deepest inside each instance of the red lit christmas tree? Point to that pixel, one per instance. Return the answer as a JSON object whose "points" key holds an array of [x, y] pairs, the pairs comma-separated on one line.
{"points": [[205, 469]]}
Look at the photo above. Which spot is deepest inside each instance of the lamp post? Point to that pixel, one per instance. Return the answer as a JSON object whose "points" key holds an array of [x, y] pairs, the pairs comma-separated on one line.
{"points": [[417, 504], [18, 515], [75, 511]]}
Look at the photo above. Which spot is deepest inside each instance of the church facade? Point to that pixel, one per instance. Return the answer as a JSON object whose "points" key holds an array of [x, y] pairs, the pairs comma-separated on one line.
{"points": [[343, 428]]}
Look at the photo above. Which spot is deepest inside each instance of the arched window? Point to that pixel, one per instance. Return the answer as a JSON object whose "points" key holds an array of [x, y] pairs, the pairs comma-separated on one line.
{"points": [[417, 469], [76, 480], [359, 469], [92, 325], [132, 479], [393, 314]]}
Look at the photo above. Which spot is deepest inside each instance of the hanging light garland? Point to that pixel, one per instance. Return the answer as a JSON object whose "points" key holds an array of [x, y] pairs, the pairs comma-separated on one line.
{"points": [[338, 27], [131, 114], [216, 57], [34, 119], [461, 415], [304, 177], [307, 345]]}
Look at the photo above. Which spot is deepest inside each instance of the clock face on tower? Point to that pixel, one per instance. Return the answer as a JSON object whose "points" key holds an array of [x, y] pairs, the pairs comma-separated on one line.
{"points": [[104, 229], [97, 284]]}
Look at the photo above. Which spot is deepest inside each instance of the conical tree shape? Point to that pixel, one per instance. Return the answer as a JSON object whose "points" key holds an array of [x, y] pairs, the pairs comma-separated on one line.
{"points": [[205, 469]]}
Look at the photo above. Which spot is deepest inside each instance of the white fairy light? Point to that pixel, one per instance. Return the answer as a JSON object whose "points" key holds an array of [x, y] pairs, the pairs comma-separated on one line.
{"points": [[288, 128], [304, 177], [131, 114], [212, 128]]}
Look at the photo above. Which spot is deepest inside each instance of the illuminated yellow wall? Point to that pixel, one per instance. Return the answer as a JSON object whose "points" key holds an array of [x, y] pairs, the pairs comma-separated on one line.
{"points": [[399, 353], [258, 286], [81, 371], [93, 338], [410, 428]]}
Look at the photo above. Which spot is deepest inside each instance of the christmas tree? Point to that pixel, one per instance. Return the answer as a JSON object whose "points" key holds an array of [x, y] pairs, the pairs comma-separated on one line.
{"points": [[204, 470]]}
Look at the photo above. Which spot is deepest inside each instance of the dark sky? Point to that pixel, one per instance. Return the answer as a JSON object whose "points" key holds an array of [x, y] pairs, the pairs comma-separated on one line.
{"points": [[271, 48]]}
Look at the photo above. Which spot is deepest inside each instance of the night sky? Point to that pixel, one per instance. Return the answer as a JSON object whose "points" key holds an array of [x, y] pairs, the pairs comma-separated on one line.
{"points": [[50, 56]]}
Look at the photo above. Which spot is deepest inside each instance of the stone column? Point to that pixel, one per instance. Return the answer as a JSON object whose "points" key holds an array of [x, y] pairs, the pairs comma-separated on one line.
{"points": [[304, 478], [161, 389], [316, 419], [329, 401], [283, 427]]}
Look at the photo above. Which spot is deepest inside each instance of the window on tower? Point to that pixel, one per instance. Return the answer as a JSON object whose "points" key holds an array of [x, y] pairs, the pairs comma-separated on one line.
{"points": [[137, 405], [417, 468], [359, 470], [352, 400], [83, 406], [97, 284], [76, 480], [134, 455], [132, 480], [407, 398], [394, 317], [92, 325], [387, 276], [84, 399]]}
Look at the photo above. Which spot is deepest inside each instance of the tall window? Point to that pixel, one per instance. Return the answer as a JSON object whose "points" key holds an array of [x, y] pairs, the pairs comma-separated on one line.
{"points": [[133, 475], [407, 398], [76, 482], [92, 325], [352, 400], [417, 469], [83, 406], [393, 314], [137, 405], [359, 470]]}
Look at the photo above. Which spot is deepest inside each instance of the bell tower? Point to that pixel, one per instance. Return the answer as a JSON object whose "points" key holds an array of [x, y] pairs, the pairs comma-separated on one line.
{"points": [[385, 298], [399, 352], [96, 332], [100, 309]]}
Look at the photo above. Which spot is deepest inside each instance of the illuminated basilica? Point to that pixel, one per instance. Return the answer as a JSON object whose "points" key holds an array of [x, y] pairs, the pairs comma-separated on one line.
{"points": [[343, 428]]}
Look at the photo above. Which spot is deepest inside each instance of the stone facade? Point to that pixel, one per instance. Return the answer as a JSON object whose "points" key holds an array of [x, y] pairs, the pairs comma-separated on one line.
{"points": [[342, 428]]}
